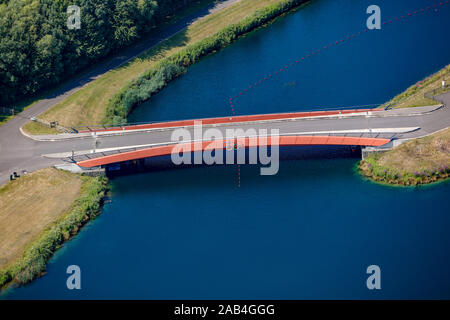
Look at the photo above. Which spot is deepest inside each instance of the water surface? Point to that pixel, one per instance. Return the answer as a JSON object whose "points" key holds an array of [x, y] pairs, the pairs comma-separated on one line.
{"points": [[308, 232]]}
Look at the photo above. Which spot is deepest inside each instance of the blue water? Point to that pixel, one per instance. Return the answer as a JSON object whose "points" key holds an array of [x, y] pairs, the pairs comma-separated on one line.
{"points": [[308, 232], [369, 69]]}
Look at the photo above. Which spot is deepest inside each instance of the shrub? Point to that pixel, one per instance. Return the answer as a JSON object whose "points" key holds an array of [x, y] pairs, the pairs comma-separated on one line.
{"points": [[5, 277]]}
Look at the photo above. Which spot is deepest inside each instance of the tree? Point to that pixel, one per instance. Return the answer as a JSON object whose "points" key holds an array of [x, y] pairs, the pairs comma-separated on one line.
{"points": [[37, 49]]}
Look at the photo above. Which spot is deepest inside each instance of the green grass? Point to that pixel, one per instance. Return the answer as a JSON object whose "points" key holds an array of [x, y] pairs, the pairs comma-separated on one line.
{"points": [[418, 161], [38, 212], [414, 95], [35, 128]]}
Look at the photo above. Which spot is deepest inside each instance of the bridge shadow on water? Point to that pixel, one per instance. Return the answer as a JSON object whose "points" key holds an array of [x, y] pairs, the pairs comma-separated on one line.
{"points": [[286, 153]]}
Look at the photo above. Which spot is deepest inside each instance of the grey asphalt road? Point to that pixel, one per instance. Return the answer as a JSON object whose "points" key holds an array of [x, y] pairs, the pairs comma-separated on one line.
{"points": [[18, 153]]}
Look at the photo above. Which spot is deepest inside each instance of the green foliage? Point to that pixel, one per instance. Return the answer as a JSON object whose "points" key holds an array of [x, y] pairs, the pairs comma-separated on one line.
{"points": [[371, 167], [33, 262], [142, 90], [5, 277], [38, 50], [169, 68]]}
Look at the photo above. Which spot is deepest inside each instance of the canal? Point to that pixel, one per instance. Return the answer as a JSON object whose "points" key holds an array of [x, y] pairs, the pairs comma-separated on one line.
{"points": [[311, 230]]}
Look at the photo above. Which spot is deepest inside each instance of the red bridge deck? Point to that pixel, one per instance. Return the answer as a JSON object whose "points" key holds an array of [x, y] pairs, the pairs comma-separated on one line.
{"points": [[222, 144]]}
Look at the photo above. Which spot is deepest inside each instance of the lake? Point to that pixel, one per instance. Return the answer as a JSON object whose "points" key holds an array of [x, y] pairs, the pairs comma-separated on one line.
{"points": [[309, 232]]}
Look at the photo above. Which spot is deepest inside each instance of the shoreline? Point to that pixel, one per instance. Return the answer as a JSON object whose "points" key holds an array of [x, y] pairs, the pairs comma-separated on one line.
{"points": [[420, 161], [417, 162], [418, 94], [397, 182], [33, 261]]}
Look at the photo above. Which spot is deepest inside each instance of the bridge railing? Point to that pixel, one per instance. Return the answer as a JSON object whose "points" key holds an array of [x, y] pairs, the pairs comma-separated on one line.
{"points": [[430, 94], [132, 124]]}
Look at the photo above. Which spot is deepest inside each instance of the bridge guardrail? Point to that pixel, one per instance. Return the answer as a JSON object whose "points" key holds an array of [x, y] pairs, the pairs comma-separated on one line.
{"points": [[132, 124], [429, 94]]}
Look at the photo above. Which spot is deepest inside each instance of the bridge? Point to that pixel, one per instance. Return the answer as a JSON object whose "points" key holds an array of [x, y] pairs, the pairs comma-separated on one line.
{"points": [[99, 146]]}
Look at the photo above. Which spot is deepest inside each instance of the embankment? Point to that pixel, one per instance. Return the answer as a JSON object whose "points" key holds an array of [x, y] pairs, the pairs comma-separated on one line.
{"points": [[156, 78], [38, 212], [416, 162]]}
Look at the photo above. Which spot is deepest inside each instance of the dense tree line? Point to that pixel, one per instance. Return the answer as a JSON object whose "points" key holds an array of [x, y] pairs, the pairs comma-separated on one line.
{"points": [[37, 49]]}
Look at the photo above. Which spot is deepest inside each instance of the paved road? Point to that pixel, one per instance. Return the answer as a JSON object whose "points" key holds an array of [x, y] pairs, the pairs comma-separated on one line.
{"points": [[18, 153]]}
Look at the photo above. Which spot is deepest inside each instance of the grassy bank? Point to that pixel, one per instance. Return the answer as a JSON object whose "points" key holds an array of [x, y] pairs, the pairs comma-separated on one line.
{"points": [[418, 161], [38, 212], [109, 98], [414, 96]]}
